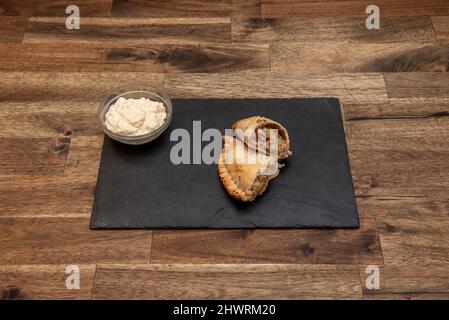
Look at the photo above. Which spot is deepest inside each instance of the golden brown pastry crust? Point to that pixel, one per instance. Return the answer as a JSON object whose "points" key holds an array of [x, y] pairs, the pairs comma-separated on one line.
{"points": [[243, 181]]}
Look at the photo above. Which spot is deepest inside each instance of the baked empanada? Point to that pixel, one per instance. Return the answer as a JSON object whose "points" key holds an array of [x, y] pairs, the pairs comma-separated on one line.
{"points": [[244, 170]]}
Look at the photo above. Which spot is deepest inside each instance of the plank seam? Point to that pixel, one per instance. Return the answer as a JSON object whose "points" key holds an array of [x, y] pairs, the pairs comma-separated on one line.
{"points": [[360, 282], [67, 155], [436, 115], [378, 239], [151, 247], [93, 282], [269, 57], [435, 32], [349, 92]]}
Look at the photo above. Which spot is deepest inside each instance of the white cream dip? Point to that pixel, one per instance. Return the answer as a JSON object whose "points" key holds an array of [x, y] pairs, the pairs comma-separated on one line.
{"points": [[135, 117]]}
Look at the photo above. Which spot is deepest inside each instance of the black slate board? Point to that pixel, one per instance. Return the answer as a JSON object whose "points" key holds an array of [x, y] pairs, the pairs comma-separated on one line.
{"points": [[139, 187]]}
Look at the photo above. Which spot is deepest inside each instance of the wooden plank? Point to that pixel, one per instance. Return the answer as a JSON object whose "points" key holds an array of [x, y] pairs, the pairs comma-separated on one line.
{"points": [[134, 30], [417, 85], [58, 7], [418, 108], [268, 246], [171, 8], [46, 196], [25, 156], [12, 28], [291, 8], [332, 29], [344, 57], [54, 7], [84, 156], [415, 241], [441, 26], [45, 119], [69, 241], [408, 282], [444, 122], [139, 58], [43, 282], [359, 88], [403, 207], [14, 8], [226, 282], [409, 296], [68, 87], [398, 157], [245, 8]]}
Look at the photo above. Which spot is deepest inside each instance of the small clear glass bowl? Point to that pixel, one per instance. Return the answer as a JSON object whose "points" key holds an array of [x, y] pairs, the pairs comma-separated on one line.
{"points": [[135, 91]]}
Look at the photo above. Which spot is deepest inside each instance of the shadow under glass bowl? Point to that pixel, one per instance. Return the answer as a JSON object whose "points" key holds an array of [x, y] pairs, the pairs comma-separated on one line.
{"points": [[135, 91]]}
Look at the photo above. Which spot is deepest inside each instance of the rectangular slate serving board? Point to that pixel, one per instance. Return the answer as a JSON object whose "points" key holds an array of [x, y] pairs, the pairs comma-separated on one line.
{"points": [[138, 187]]}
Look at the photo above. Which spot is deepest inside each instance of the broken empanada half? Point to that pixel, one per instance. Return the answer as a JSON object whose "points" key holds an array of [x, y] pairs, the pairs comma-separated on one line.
{"points": [[251, 130], [244, 173]]}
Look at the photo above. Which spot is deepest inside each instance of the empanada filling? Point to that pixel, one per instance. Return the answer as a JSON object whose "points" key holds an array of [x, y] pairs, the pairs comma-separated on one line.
{"points": [[261, 137]]}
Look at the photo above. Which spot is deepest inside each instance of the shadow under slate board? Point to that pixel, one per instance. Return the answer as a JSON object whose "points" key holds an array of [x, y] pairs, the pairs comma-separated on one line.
{"points": [[140, 188]]}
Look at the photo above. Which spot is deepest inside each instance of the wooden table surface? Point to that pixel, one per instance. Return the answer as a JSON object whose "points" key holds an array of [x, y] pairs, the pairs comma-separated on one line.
{"points": [[394, 87]]}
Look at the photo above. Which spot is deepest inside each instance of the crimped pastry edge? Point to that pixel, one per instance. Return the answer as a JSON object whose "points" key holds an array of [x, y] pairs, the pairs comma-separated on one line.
{"points": [[229, 183]]}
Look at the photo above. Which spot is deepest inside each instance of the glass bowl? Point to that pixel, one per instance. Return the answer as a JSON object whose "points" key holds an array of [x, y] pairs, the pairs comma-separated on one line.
{"points": [[135, 91]]}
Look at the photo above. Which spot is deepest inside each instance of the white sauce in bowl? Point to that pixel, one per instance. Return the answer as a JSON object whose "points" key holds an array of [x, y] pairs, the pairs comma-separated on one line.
{"points": [[135, 117]]}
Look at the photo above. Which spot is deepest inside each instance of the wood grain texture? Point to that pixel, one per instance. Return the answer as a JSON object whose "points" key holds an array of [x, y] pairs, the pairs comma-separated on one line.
{"points": [[268, 246], [398, 157], [12, 29], [54, 7], [171, 8], [409, 282], [289, 8], [14, 8], [124, 30], [413, 108], [361, 88], [248, 8], [68, 87], [343, 57], [417, 85], [415, 241], [403, 207], [69, 241], [43, 282], [57, 7], [46, 196], [441, 26], [332, 29], [444, 122], [49, 119], [138, 58], [412, 234], [28, 156], [226, 282], [84, 156]]}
